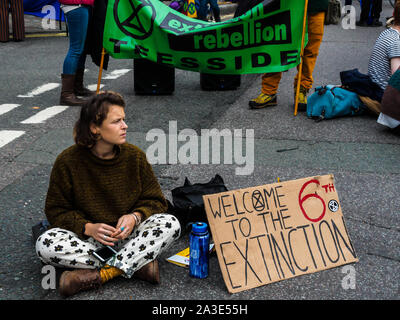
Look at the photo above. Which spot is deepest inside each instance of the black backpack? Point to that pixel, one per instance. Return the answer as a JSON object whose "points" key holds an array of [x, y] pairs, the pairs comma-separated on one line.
{"points": [[188, 205], [39, 228]]}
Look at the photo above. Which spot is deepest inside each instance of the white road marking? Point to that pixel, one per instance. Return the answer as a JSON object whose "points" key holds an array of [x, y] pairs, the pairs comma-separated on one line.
{"points": [[6, 136], [39, 90], [4, 108], [116, 73], [45, 114], [93, 87]]}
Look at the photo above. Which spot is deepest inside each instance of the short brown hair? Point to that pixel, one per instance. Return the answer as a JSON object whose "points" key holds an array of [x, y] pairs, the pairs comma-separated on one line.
{"points": [[94, 111]]}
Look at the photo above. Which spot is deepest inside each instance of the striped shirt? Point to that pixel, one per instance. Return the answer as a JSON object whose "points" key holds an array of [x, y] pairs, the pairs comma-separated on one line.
{"points": [[387, 46]]}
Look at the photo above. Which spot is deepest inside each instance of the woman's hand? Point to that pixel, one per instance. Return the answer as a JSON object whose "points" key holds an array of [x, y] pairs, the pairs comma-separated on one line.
{"points": [[124, 227], [101, 232]]}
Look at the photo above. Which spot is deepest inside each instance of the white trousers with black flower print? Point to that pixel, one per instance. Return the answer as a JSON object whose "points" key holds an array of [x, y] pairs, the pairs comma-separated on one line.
{"points": [[64, 248]]}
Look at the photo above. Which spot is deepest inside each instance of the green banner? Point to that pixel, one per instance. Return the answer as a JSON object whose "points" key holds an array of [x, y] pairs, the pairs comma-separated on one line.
{"points": [[267, 38]]}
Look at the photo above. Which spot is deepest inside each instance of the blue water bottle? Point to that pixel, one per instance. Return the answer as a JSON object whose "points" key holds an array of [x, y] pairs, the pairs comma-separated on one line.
{"points": [[199, 250]]}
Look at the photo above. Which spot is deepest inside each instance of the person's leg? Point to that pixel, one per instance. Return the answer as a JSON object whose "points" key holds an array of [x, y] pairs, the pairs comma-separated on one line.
{"points": [[270, 83], [79, 88], [215, 9], [365, 9], [146, 243], [376, 13], [377, 9], [63, 248], [310, 55], [269, 88], [4, 26], [202, 12], [77, 21], [18, 23]]}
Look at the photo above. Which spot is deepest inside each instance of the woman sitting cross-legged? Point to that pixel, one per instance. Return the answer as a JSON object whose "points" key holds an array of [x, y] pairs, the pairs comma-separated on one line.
{"points": [[103, 192]]}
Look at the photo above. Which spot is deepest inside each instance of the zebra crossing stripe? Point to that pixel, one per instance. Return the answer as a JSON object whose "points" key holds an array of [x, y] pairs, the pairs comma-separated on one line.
{"points": [[116, 74], [45, 114], [93, 87], [39, 90], [6, 136], [4, 108]]}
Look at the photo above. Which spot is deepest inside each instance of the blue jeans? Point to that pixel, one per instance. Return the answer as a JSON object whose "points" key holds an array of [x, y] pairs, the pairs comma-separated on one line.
{"points": [[203, 9], [77, 21]]}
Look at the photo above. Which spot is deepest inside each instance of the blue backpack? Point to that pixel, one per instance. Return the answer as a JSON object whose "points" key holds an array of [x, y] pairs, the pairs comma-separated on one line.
{"points": [[331, 101]]}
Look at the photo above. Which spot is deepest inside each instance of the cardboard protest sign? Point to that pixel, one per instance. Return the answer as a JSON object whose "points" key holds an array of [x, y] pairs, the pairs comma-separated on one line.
{"points": [[267, 38], [278, 231]]}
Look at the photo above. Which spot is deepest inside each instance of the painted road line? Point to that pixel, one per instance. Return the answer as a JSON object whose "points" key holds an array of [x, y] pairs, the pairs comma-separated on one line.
{"points": [[39, 90], [4, 108], [6, 136], [45, 114], [116, 74], [93, 87]]}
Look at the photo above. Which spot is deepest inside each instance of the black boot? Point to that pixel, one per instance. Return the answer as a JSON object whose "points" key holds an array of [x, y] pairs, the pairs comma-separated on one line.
{"points": [[376, 23], [217, 15], [361, 23]]}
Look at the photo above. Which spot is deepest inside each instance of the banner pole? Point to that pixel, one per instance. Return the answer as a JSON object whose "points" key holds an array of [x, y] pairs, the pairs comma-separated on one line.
{"points": [[103, 52], [301, 58]]}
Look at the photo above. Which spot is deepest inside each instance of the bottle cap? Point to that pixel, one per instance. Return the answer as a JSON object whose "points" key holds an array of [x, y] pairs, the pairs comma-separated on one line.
{"points": [[199, 227]]}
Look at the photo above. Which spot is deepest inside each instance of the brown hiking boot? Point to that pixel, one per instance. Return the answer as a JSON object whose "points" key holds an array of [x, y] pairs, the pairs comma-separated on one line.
{"points": [[79, 88], [68, 97], [149, 272], [72, 282]]}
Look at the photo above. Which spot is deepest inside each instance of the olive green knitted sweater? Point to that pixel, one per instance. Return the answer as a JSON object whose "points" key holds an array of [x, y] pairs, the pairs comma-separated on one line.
{"points": [[84, 188]]}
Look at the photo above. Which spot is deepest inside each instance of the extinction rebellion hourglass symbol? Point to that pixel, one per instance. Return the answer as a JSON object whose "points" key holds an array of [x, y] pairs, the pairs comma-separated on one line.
{"points": [[128, 20], [333, 205]]}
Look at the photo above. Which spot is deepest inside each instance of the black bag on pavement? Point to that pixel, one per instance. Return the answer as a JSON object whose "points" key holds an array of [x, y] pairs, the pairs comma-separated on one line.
{"points": [[188, 205], [39, 228]]}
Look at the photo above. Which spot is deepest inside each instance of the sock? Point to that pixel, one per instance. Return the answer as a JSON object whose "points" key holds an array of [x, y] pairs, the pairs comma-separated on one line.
{"points": [[108, 272]]}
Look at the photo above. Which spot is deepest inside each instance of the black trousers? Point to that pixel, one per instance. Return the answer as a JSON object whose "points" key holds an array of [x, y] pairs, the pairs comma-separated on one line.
{"points": [[18, 25], [375, 10]]}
